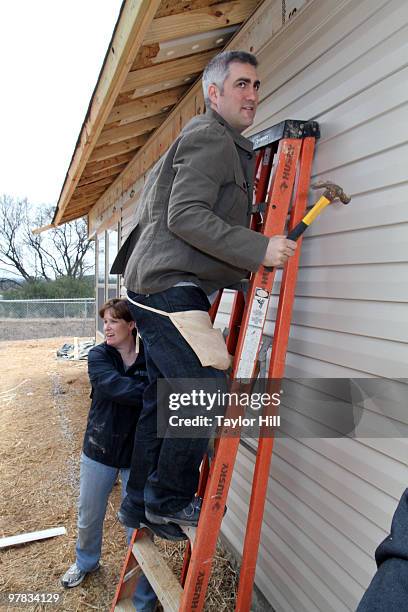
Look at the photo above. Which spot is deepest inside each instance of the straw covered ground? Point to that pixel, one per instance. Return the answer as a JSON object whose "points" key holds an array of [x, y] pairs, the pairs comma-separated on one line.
{"points": [[43, 408]]}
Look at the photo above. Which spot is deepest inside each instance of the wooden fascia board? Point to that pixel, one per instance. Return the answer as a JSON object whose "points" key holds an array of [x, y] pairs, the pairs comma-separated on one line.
{"points": [[133, 23]]}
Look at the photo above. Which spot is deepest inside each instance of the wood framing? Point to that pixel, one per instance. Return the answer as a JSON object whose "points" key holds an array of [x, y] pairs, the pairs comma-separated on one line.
{"points": [[199, 20], [176, 69], [116, 134], [145, 107], [124, 146], [157, 51], [252, 37]]}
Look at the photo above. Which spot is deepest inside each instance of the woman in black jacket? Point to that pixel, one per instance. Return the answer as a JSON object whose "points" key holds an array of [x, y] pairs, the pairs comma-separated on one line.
{"points": [[118, 377]]}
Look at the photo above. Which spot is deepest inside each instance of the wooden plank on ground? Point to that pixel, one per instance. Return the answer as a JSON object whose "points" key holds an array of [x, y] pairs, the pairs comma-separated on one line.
{"points": [[32, 536]]}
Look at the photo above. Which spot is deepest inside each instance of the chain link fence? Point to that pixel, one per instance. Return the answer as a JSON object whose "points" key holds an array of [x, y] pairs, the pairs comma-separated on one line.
{"points": [[74, 308], [47, 318]]}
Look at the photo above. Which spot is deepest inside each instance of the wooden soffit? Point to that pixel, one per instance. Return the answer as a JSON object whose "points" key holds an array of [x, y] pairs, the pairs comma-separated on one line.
{"points": [[158, 50]]}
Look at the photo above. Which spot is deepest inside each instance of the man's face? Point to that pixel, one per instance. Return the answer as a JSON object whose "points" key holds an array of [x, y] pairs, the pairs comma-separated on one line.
{"points": [[239, 99]]}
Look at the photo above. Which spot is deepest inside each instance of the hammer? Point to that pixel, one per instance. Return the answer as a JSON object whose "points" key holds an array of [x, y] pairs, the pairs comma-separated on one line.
{"points": [[332, 192]]}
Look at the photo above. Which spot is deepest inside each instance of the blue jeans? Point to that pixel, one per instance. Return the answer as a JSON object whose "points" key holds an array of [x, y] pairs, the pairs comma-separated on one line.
{"points": [[165, 471], [95, 486]]}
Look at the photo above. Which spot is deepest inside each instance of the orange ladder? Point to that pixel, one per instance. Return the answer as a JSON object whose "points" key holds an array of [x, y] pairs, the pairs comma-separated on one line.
{"points": [[283, 168]]}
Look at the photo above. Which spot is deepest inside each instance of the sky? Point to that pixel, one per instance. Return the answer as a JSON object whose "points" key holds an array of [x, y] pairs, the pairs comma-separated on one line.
{"points": [[51, 52]]}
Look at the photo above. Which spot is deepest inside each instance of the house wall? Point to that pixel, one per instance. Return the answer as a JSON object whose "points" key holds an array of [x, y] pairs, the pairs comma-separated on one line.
{"points": [[330, 500]]}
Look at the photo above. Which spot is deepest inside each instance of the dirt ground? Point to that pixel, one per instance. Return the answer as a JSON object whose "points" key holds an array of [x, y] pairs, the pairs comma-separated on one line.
{"points": [[43, 408]]}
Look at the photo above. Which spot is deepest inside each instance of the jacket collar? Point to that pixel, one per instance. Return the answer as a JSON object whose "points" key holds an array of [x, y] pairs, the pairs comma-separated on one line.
{"points": [[239, 140], [139, 359]]}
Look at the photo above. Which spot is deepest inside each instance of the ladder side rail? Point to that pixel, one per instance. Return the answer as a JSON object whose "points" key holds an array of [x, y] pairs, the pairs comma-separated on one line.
{"points": [[222, 467], [262, 176], [290, 272], [214, 306], [237, 312], [276, 371], [123, 590], [278, 202], [204, 474], [264, 160]]}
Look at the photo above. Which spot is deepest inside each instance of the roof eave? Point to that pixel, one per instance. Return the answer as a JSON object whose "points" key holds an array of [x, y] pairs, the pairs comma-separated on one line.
{"points": [[133, 22]]}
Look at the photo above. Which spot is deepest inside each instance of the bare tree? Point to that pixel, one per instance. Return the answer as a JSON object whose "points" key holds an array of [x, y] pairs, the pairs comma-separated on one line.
{"points": [[61, 251]]}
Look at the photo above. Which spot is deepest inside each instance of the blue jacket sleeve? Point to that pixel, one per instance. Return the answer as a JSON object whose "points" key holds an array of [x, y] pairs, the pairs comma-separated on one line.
{"points": [[388, 590], [106, 380]]}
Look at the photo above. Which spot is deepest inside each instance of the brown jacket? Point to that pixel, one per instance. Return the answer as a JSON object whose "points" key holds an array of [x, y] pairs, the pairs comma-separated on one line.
{"points": [[191, 223]]}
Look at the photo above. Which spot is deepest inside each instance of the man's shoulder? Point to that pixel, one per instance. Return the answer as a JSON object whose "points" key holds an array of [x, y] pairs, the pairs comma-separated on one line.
{"points": [[204, 125], [203, 134]]}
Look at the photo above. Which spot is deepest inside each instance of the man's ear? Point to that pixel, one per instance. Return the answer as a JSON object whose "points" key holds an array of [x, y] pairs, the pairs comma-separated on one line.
{"points": [[213, 93]]}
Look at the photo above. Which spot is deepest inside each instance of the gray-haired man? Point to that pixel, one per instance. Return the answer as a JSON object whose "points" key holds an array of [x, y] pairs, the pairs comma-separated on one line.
{"points": [[190, 238]]}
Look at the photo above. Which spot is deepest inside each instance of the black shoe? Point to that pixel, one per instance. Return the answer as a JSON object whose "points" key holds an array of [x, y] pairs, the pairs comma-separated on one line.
{"points": [[135, 521], [188, 516]]}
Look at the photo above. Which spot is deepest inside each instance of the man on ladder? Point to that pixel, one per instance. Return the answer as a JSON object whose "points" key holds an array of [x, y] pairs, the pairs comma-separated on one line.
{"points": [[190, 238]]}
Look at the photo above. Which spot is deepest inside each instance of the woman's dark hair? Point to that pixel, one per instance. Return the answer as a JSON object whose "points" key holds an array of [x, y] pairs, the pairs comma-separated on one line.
{"points": [[118, 307]]}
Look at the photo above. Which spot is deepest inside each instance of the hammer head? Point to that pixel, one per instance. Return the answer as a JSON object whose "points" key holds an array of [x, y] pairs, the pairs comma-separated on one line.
{"points": [[333, 191]]}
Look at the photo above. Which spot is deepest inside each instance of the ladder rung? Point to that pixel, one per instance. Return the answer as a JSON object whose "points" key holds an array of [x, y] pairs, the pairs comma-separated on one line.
{"points": [[125, 605], [136, 571], [164, 583]]}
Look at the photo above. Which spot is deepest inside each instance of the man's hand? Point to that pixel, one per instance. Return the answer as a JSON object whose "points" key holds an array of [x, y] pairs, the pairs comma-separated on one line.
{"points": [[278, 251]]}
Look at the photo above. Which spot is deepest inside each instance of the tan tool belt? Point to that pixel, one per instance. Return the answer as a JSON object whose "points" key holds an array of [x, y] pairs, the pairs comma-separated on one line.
{"points": [[196, 328]]}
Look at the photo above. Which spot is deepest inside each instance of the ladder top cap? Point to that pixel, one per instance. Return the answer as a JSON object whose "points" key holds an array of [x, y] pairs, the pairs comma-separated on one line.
{"points": [[290, 128]]}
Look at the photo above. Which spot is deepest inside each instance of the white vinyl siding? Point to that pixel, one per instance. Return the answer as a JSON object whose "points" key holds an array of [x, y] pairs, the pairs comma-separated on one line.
{"points": [[330, 501]]}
